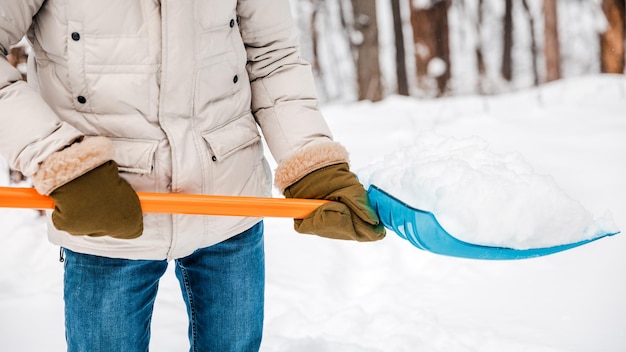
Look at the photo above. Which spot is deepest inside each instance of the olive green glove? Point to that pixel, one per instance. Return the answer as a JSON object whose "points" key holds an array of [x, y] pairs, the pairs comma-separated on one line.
{"points": [[98, 203], [90, 197], [349, 216]]}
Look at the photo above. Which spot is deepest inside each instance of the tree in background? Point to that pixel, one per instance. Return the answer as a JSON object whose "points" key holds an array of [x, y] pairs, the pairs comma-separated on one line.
{"points": [[534, 52], [459, 46], [481, 66], [365, 43], [612, 40], [401, 75], [507, 41], [17, 57], [551, 45], [429, 20]]}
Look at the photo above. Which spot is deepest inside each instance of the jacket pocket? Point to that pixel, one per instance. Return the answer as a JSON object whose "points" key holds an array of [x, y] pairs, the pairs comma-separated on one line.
{"points": [[115, 74], [134, 155], [232, 137], [237, 160]]}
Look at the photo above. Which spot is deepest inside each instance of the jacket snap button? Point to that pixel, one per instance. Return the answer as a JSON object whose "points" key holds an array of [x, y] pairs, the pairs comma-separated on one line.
{"points": [[232, 23], [75, 36], [235, 79], [81, 99], [214, 158]]}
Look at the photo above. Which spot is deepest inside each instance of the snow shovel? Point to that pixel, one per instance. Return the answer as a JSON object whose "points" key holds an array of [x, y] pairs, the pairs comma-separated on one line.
{"points": [[422, 229], [419, 227]]}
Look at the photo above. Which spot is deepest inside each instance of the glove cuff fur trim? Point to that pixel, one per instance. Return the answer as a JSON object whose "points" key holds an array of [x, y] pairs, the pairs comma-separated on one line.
{"points": [[72, 162], [307, 160]]}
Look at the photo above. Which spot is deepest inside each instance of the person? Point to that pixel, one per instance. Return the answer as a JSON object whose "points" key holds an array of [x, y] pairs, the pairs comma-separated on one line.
{"points": [[168, 96]]}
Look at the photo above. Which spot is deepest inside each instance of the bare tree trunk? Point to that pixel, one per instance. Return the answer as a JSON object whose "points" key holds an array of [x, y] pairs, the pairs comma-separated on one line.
{"points": [[533, 42], [432, 49], [366, 42], [507, 47], [315, 62], [17, 57], [612, 41], [401, 75], [551, 49], [480, 57]]}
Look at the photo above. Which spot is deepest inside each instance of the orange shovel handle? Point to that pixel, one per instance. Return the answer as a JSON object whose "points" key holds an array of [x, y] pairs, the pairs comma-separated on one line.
{"points": [[177, 203]]}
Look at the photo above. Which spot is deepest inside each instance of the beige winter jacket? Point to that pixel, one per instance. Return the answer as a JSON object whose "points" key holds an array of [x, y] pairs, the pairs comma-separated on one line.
{"points": [[180, 88]]}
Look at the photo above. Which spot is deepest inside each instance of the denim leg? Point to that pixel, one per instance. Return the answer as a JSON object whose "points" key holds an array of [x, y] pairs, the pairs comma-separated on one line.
{"points": [[223, 287], [109, 302]]}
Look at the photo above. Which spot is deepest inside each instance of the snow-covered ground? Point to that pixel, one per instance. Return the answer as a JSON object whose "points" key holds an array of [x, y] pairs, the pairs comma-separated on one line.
{"points": [[389, 296]]}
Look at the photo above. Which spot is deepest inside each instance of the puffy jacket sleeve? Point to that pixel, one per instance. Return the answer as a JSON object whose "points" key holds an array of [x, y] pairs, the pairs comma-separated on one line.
{"points": [[284, 100], [29, 129]]}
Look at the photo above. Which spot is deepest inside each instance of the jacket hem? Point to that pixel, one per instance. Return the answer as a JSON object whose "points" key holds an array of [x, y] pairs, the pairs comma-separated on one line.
{"points": [[82, 244]]}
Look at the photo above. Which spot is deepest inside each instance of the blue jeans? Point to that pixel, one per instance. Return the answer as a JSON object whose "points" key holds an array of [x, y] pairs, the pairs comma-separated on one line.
{"points": [[108, 302]]}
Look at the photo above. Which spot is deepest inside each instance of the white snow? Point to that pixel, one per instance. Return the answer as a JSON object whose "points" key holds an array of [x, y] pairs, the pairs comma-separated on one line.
{"points": [[436, 67], [388, 296], [482, 197]]}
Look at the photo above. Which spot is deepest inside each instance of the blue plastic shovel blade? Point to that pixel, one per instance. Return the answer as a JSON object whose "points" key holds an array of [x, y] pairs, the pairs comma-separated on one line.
{"points": [[422, 229]]}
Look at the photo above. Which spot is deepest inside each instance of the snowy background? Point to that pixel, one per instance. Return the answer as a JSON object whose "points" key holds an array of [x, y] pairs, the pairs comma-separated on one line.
{"points": [[389, 296], [579, 24]]}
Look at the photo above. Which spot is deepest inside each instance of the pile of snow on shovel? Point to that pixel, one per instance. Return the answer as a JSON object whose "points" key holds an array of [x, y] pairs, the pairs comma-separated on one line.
{"points": [[484, 198]]}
